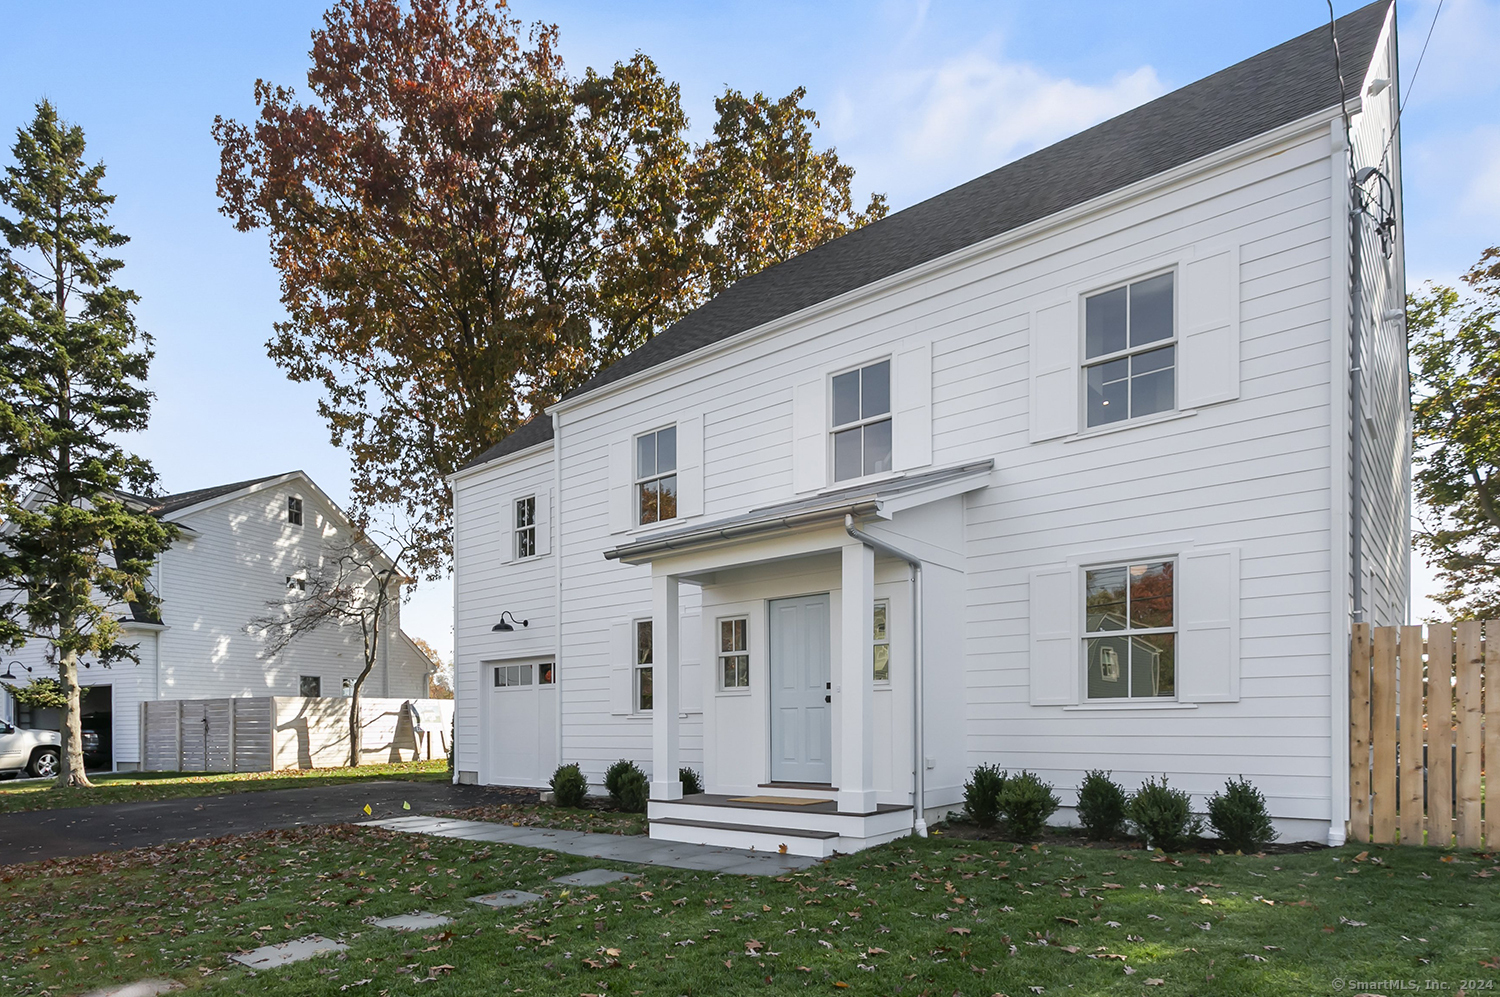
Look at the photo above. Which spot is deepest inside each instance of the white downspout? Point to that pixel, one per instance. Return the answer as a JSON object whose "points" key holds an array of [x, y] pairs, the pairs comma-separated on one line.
{"points": [[919, 744], [555, 524]]}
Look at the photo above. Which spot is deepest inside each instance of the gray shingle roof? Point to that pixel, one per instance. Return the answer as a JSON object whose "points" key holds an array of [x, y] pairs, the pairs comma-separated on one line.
{"points": [[1280, 85], [162, 505]]}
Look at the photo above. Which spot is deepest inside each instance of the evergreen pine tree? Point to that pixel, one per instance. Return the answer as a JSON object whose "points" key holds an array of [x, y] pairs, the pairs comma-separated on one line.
{"points": [[74, 548]]}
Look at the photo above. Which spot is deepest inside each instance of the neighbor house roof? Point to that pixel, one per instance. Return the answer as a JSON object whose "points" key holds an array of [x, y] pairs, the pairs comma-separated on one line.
{"points": [[162, 505], [1281, 85]]}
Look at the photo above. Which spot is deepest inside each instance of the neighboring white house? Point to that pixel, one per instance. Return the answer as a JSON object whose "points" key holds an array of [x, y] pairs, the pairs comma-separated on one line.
{"points": [[243, 547], [1102, 396]]}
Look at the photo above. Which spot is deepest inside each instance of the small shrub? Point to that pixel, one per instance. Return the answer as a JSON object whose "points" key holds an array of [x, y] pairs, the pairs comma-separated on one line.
{"points": [[982, 794], [691, 783], [635, 791], [1026, 802], [1163, 815], [1101, 806], [569, 787], [1238, 816], [614, 775]]}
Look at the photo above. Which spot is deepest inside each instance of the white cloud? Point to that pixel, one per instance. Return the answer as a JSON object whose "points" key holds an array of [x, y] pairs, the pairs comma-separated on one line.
{"points": [[916, 131]]}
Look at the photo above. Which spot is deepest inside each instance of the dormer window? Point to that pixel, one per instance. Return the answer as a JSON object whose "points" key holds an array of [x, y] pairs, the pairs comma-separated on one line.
{"points": [[294, 510], [862, 421]]}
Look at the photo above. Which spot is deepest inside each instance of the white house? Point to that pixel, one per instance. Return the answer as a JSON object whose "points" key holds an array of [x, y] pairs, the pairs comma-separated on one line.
{"points": [[243, 547], [1062, 469]]}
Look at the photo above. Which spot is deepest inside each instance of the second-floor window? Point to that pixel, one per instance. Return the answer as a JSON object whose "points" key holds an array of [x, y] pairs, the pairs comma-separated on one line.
{"points": [[1130, 353], [656, 476], [525, 526], [310, 685], [862, 421], [294, 510]]}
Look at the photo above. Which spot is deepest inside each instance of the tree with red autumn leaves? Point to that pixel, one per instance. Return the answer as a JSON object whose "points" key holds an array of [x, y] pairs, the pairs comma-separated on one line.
{"points": [[464, 231]]}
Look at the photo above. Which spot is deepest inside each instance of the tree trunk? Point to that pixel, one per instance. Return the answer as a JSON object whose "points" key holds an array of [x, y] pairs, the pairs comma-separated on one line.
{"points": [[354, 727], [71, 771]]}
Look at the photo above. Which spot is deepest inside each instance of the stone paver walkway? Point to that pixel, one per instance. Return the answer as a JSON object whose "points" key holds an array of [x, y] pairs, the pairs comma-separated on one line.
{"points": [[616, 847]]}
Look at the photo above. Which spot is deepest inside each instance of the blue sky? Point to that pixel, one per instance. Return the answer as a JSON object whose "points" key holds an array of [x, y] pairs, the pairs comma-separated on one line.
{"points": [[917, 96]]}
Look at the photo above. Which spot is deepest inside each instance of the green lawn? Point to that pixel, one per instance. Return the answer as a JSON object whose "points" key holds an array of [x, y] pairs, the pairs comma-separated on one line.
{"points": [[939, 916], [133, 787]]}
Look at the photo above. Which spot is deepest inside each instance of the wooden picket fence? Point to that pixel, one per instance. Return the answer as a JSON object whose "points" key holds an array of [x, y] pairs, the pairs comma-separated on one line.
{"points": [[1424, 719]]}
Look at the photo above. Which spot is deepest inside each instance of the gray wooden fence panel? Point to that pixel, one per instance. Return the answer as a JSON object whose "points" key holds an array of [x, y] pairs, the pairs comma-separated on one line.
{"points": [[194, 735], [219, 749], [252, 735], [160, 735]]}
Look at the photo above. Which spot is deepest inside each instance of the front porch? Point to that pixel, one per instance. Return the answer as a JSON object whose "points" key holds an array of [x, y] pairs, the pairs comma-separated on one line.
{"points": [[813, 719]]}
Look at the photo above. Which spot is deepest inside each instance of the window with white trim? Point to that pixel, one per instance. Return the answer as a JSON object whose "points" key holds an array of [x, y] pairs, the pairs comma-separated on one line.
{"points": [[310, 685], [882, 641], [523, 522], [1130, 352], [1130, 629], [508, 676], [734, 653], [546, 674], [643, 661], [656, 476], [861, 427], [294, 510]]}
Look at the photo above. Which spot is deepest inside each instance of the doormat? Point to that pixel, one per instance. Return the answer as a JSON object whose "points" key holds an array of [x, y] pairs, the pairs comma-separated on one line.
{"points": [[786, 801]]}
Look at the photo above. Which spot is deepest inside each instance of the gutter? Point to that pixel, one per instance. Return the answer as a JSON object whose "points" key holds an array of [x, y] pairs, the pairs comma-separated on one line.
{"points": [[646, 548], [919, 740]]}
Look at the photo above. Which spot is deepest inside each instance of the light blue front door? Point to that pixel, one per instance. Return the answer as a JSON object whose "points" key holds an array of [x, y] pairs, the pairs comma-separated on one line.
{"points": [[801, 716]]}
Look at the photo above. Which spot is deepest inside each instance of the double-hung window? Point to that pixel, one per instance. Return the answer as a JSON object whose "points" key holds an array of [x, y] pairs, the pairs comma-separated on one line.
{"points": [[656, 476], [643, 660], [525, 526], [1130, 627], [1130, 353], [294, 510], [882, 641], [734, 653], [862, 421]]}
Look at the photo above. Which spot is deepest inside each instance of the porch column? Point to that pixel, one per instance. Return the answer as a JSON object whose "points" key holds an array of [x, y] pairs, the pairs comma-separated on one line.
{"points": [[855, 677], [666, 627]]}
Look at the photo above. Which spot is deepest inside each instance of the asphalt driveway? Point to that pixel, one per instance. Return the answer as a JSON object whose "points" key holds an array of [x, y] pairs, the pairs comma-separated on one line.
{"points": [[43, 834]]}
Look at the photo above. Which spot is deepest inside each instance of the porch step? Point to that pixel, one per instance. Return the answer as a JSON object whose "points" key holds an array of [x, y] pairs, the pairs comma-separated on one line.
{"points": [[796, 832], [795, 840]]}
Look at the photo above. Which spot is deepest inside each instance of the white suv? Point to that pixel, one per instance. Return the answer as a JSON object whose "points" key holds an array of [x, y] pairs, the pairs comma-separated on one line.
{"points": [[33, 751]]}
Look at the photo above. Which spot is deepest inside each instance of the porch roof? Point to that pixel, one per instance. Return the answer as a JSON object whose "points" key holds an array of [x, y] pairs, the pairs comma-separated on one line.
{"points": [[875, 498]]}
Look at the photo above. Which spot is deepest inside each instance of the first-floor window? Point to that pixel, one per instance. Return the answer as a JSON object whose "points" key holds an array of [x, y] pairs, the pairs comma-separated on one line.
{"points": [[734, 653], [310, 685], [882, 642], [643, 660], [525, 526], [545, 674], [1131, 636], [512, 675]]}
